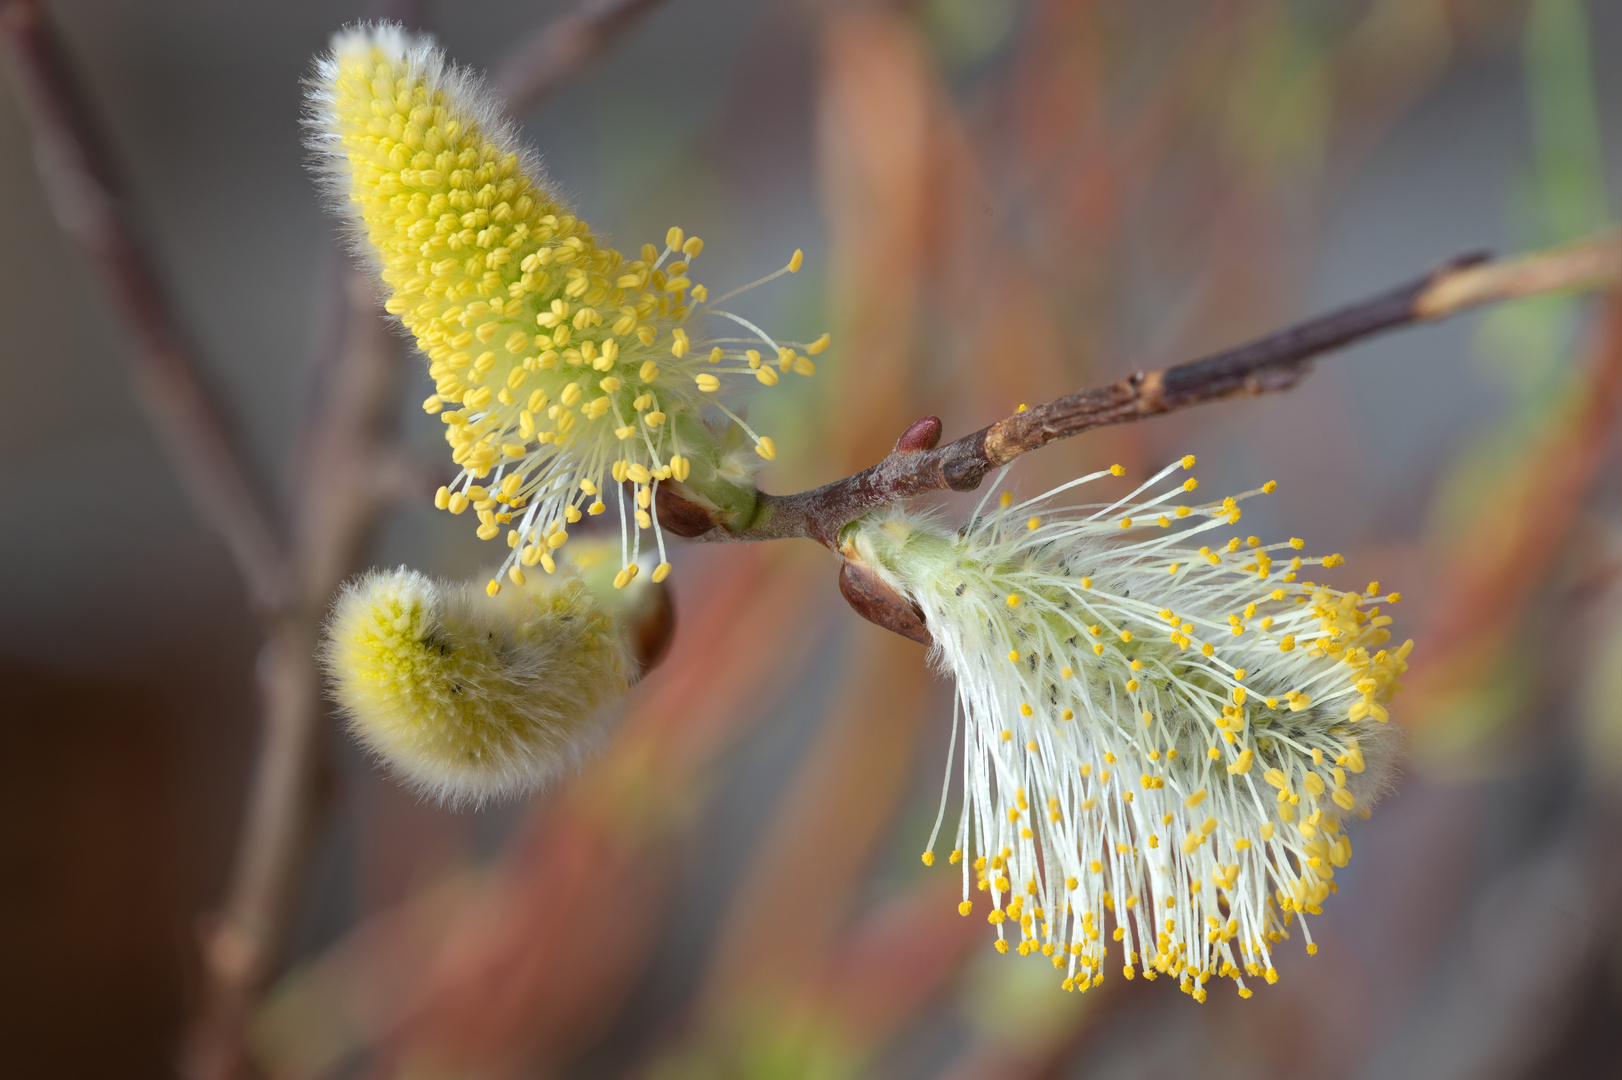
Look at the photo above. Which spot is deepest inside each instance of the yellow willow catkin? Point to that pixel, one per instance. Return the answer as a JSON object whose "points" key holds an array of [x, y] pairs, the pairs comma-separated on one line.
{"points": [[561, 369], [471, 697]]}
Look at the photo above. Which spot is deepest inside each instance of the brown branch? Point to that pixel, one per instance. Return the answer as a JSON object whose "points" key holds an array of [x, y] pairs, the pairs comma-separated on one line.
{"points": [[87, 195], [538, 66], [338, 504], [1275, 362]]}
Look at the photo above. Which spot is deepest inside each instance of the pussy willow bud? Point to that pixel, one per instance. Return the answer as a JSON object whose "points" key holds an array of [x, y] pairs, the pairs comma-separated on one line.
{"points": [[472, 697], [1162, 727], [562, 370]]}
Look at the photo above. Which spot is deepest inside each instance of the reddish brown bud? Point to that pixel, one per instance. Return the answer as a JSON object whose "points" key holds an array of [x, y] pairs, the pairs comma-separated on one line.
{"points": [[874, 600], [922, 435], [680, 515], [652, 628]]}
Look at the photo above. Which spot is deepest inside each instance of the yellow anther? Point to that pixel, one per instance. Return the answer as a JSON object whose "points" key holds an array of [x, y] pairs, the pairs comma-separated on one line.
{"points": [[1297, 543], [796, 261], [1034, 523], [1188, 485], [818, 345], [766, 448], [1117, 470], [661, 571]]}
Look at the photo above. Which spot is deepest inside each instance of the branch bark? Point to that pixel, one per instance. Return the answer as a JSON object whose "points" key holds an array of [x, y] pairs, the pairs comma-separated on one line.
{"points": [[87, 196], [1275, 362]]}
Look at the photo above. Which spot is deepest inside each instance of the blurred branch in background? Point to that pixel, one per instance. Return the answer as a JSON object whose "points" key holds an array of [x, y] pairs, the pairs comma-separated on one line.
{"points": [[563, 48], [87, 193]]}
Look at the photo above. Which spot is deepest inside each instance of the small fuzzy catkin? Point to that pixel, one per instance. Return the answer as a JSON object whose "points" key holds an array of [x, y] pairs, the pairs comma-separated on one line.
{"points": [[471, 697]]}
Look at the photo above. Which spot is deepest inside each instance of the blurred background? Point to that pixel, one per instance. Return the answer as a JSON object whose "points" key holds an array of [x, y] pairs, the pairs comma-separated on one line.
{"points": [[1000, 201]]}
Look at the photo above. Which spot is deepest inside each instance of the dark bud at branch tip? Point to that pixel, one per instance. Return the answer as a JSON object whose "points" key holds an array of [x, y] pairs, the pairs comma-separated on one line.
{"points": [[922, 435], [681, 516], [878, 603]]}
